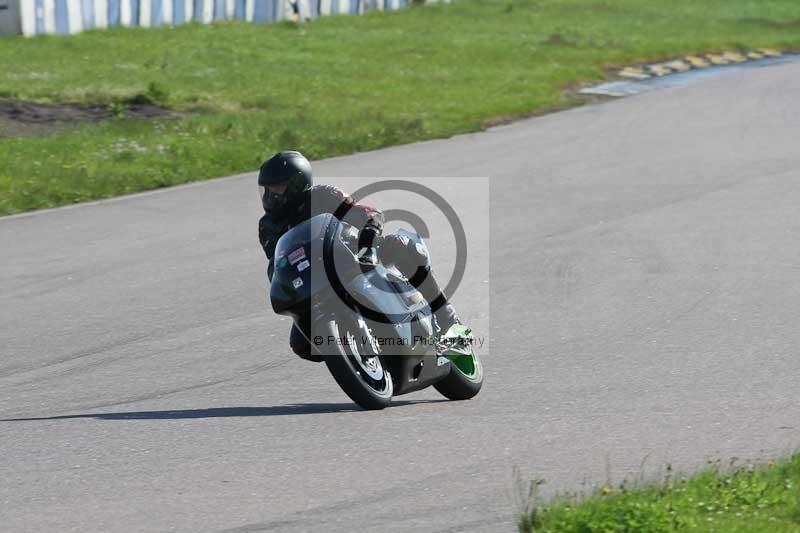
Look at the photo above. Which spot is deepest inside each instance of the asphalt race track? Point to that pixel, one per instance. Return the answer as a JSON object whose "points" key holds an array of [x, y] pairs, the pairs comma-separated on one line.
{"points": [[645, 310]]}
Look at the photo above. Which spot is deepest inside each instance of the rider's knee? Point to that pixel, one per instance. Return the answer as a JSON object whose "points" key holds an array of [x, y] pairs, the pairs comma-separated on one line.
{"points": [[301, 347]]}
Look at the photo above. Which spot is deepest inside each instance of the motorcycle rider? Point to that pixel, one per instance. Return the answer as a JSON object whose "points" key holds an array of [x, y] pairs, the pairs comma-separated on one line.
{"points": [[288, 196]]}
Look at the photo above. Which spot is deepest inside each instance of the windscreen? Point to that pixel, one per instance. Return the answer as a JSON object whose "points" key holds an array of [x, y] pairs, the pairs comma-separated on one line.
{"points": [[299, 270]]}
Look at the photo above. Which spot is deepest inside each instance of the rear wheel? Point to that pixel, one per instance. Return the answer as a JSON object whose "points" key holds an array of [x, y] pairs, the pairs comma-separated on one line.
{"points": [[356, 365]]}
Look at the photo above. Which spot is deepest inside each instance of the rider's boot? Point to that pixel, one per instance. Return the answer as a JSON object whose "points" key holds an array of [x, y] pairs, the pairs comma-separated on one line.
{"points": [[413, 262], [446, 318]]}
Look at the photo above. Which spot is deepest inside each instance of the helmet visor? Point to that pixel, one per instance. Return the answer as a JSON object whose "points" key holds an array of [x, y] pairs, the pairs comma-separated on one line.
{"points": [[273, 196]]}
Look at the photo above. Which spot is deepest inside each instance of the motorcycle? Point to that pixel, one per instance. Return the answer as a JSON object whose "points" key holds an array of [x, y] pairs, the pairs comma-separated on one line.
{"points": [[371, 327]]}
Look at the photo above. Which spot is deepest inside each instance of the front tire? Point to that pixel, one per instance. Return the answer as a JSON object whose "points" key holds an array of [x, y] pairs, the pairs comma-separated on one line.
{"points": [[465, 379], [357, 365]]}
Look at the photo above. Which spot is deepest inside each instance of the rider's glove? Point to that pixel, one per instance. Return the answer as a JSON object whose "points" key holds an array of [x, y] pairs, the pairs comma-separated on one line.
{"points": [[368, 243], [368, 256]]}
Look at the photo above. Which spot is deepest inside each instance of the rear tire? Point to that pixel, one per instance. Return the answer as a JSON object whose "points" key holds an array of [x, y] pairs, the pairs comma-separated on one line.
{"points": [[358, 367]]}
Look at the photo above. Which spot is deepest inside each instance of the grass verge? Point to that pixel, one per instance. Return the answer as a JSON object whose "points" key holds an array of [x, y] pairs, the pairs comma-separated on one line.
{"points": [[334, 86], [746, 499]]}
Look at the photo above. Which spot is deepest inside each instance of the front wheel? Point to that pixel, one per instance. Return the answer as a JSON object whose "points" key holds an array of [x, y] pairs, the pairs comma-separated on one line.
{"points": [[466, 372], [356, 365]]}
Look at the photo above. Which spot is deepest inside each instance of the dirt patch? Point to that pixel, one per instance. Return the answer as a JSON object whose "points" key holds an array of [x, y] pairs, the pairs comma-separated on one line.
{"points": [[19, 118], [557, 39]]}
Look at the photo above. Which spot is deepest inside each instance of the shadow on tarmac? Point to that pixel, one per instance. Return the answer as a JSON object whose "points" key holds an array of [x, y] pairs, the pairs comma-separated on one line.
{"points": [[224, 412]]}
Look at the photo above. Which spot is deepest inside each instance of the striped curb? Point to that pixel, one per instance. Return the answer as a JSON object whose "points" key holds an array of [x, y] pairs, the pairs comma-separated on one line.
{"points": [[635, 79], [696, 61]]}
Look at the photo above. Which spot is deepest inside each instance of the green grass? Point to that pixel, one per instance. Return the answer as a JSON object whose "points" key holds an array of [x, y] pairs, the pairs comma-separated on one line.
{"points": [[334, 86], [747, 499]]}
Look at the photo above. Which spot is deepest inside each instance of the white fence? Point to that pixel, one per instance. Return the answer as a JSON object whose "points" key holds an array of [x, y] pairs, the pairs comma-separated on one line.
{"points": [[73, 16]]}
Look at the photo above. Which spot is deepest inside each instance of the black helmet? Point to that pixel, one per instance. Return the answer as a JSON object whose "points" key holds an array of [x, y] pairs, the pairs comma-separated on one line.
{"points": [[289, 168]]}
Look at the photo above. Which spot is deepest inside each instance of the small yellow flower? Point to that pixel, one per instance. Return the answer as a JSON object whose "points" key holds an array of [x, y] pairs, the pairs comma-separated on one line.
{"points": [[606, 490]]}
